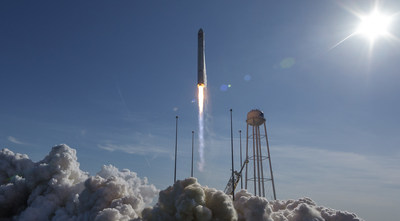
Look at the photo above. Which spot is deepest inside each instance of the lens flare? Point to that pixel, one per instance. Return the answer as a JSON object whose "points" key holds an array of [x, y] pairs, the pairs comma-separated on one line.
{"points": [[201, 127]]}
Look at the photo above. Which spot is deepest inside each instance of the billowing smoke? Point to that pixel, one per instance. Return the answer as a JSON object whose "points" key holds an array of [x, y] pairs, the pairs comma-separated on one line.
{"points": [[188, 200], [56, 189]]}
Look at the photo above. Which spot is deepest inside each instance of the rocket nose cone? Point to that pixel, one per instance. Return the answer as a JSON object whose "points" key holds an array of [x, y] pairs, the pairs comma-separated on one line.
{"points": [[200, 31]]}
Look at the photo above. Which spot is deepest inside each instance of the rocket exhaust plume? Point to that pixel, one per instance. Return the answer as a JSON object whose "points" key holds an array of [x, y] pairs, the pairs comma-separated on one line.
{"points": [[201, 127], [201, 85]]}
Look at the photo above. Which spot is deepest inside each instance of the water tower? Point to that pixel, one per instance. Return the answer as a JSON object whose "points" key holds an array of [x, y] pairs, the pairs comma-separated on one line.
{"points": [[255, 153]]}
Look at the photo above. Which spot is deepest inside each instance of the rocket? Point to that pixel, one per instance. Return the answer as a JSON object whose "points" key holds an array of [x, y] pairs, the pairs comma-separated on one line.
{"points": [[201, 61]]}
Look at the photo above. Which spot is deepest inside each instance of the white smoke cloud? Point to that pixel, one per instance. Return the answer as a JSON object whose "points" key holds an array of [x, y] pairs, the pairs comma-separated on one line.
{"points": [[188, 200], [56, 189]]}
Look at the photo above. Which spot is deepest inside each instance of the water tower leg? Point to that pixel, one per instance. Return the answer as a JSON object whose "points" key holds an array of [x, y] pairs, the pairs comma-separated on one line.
{"points": [[254, 165], [270, 164], [258, 160], [261, 163]]}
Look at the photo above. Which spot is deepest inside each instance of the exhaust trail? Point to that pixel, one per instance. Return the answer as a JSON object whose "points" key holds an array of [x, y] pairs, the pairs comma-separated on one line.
{"points": [[201, 85], [201, 163]]}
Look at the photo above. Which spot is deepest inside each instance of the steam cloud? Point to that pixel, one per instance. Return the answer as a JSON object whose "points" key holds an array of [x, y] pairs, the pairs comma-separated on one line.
{"points": [[188, 200], [56, 189]]}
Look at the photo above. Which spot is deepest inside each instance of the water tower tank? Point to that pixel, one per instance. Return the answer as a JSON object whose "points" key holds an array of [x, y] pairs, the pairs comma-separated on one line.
{"points": [[255, 117]]}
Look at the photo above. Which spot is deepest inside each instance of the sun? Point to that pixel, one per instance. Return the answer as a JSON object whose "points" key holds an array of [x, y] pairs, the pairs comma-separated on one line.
{"points": [[374, 25]]}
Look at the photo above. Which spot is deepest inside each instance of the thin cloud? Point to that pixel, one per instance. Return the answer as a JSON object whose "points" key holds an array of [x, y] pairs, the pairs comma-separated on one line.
{"points": [[144, 144], [135, 149], [15, 140]]}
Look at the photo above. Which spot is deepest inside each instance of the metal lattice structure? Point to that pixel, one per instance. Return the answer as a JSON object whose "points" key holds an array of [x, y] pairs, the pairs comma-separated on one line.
{"points": [[234, 180], [254, 154]]}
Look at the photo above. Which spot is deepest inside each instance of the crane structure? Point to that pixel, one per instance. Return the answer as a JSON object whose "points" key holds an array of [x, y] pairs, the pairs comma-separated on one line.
{"points": [[234, 180]]}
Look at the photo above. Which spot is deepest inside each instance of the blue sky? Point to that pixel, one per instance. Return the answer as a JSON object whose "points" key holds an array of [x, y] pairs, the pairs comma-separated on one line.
{"points": [[108, 78]]}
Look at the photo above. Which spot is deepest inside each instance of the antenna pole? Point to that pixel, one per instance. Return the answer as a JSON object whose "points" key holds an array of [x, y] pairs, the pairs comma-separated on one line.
{"points": [[176, 147], [240, 143], [191, 173], [233, 173]]}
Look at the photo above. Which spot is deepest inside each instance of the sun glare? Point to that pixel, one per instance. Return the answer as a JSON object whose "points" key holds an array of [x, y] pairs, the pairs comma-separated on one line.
{"points": [[374, 25]]}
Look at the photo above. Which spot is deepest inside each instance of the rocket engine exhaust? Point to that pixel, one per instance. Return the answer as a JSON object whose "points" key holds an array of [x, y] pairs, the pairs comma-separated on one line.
{"points": [[201, 85], [201, 98], [201, 163]]}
